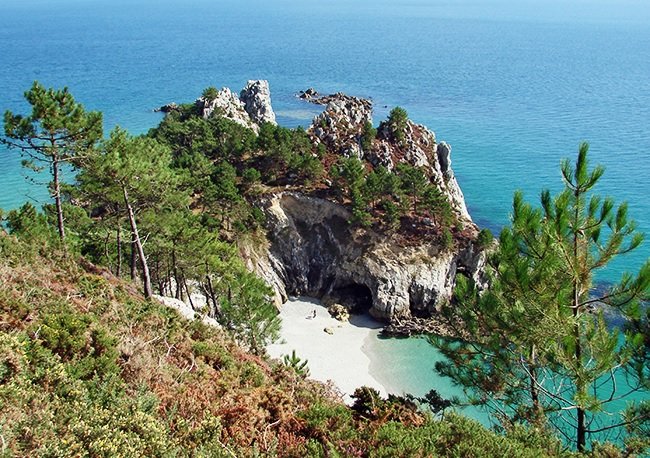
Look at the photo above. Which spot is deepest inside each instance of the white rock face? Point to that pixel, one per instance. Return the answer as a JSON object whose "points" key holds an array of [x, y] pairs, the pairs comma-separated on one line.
{"points": [[250, 109], [449, 180], [340, 125], [314, 251], [185, 310], [228, 105], [256, 97]]}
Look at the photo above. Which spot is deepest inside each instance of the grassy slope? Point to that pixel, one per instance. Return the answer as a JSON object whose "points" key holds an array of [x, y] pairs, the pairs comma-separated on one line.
{"points": [[88, 368]]}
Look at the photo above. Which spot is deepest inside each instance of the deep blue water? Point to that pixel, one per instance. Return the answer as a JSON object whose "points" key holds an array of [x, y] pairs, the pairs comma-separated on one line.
{"points": [[514, 87]]}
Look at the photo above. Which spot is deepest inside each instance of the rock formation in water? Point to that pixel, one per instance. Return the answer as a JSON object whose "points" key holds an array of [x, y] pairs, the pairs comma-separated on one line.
{"points": [[313, 249], [250, 109]]}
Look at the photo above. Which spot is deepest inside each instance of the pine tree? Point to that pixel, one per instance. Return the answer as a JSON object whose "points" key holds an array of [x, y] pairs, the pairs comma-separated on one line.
{"points": [[397, 123], [589, 234], [57, 132], [539, 340], [135, 172], [414, 182]]}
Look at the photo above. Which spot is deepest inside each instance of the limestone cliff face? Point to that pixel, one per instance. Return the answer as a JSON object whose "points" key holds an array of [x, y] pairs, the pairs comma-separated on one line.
{"points": [[312, 250]]}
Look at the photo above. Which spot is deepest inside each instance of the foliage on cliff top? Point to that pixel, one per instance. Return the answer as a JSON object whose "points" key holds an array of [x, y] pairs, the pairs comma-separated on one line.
{"points": [[403, 201], [89, 368]]}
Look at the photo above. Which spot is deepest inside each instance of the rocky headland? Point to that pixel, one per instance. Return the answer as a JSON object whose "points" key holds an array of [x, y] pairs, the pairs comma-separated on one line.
{"points": [[312, 248]]}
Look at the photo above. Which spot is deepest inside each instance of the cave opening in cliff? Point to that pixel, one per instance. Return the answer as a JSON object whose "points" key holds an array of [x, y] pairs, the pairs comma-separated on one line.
{"points": [[354, 296]]}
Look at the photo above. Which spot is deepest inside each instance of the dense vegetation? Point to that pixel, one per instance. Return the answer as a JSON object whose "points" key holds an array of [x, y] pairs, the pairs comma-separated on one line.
{"points": [[90, 364], [90, 368]]}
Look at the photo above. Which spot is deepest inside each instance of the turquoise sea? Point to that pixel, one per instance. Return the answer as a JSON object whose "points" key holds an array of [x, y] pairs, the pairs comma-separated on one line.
{"points": [[512, 86]]}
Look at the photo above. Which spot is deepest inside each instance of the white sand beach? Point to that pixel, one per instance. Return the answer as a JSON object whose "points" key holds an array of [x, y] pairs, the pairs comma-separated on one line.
{"points": [[340, 357]]}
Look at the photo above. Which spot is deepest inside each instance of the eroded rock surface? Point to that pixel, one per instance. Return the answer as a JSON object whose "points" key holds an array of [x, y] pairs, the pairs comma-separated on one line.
{"points": [[250, 109], [314, 251], [340, 127], [256, 97]]}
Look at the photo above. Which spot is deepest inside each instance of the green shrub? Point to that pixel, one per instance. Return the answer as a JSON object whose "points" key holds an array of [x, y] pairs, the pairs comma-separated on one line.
{"points": [[213, 354], [484, 238], [297, 364], [447, 239], [251, 375]]}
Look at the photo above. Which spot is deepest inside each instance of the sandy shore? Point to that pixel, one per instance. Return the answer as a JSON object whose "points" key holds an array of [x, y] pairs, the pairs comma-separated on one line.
{"points": [[340, 357]]}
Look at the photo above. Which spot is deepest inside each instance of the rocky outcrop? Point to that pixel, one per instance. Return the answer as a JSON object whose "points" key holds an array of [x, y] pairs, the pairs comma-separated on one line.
{"points": [[339, 312], [340, 127], [168, 108], [228, 105], [313, 250], [256, 97], [311, 95], [419, 148], [250, 109]]}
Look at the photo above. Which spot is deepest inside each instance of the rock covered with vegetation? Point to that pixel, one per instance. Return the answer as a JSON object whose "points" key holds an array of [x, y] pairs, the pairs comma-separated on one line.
{"points": [[251, 109], [390, 227], [346, 126], [387, 229]]}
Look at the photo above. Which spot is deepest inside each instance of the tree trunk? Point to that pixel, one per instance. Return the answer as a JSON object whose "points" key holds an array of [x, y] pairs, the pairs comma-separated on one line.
{"points": [[57, 198], [582, 437], [575, 303], [134, 260], [581, 427], [189, 294], [138, 244], [534, 390], [177, 280], [118, 241], [214, 309], [106, 254]]}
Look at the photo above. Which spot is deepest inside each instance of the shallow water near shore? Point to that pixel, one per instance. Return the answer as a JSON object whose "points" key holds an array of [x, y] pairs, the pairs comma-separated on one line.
{"points": [[406, 366]]}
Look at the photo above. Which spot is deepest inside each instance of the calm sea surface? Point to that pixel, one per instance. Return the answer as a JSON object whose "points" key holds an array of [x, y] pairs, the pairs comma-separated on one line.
{"points": [[512, 96]]}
